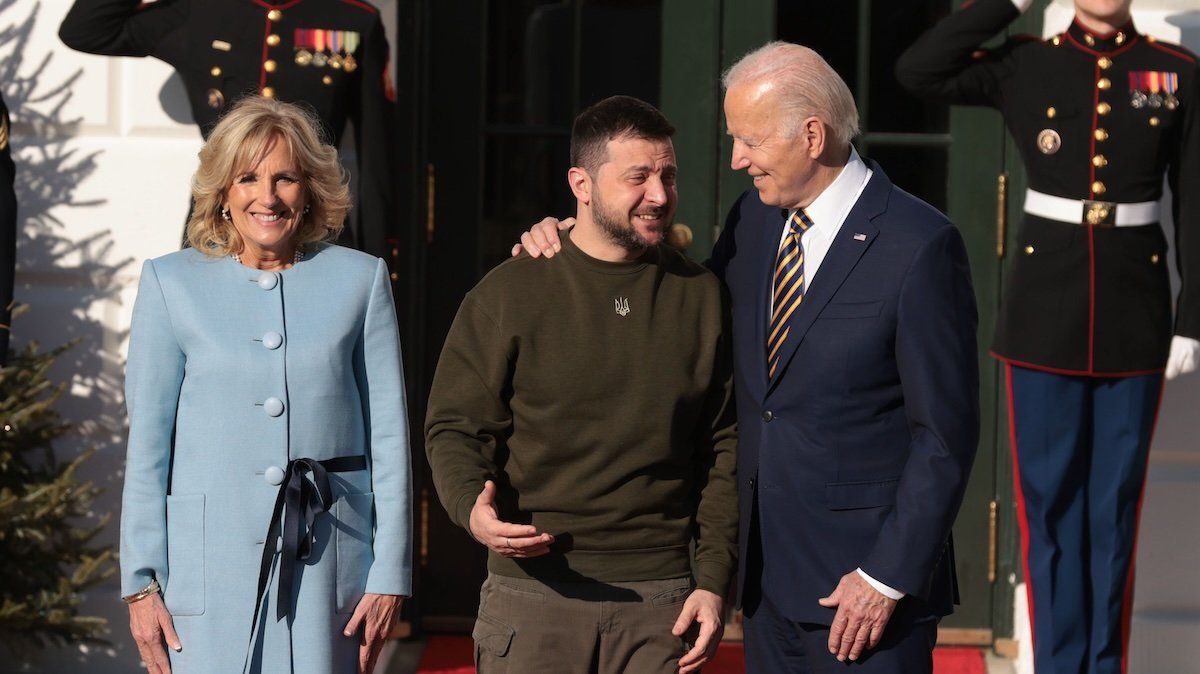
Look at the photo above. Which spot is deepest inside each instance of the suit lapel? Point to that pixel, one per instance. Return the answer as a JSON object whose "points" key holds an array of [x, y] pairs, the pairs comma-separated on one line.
{"points": [[852, 240]]}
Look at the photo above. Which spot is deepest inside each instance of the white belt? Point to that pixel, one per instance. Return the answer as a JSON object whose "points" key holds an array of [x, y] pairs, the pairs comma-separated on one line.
{"points": [[1090, 212]]}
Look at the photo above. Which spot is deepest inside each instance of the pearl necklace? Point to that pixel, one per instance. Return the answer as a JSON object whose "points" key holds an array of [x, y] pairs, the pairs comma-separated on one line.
{"points": [[295, 258]]}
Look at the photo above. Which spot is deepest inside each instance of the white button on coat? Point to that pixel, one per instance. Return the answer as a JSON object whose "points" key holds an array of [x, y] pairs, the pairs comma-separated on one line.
{"points": [[272, 340], [273, 406], [267, 280], [273, 475]]}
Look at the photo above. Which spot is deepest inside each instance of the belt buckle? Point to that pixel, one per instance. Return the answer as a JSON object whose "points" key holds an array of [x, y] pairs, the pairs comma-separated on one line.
{"points": [[1099, 213]]}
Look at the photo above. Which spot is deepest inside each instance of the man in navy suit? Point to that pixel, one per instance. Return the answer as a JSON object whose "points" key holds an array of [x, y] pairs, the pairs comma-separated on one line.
{"points": [[856, 375]]}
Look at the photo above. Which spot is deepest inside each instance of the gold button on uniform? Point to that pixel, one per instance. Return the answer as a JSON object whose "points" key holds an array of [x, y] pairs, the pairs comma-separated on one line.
{"points": [[1051, 112], [327, 79], [1104, 83], [269, 65], [1153, 121], [1099, 161], [1029, 250], [1105, 63], [1091, 41], [216, 71], [1100, 134], [1120, 39], [1098, 187], [274, 15], [273, 40], [1056, 40], [1154, 259], [268, 92], [1103, 108]]}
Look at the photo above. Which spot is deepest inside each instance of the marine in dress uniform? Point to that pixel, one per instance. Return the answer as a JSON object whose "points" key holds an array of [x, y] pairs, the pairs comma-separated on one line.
{"points": [[8, 232], [1085, 323], [329, 54]]}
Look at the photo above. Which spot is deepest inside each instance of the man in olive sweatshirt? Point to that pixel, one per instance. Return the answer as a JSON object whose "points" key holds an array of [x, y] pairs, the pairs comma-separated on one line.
{"points": [[581, 426]]}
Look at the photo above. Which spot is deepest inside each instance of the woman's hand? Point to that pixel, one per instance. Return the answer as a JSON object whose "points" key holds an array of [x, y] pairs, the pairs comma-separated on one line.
{"points": [[151, 625], [375, 614]]}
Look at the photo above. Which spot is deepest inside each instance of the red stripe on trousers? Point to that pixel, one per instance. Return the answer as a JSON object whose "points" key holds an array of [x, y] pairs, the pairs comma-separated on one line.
{"points": [[1127, 603], [1022, 518]]}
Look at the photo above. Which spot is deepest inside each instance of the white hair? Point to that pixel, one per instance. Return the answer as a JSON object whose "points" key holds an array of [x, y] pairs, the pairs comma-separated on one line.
{"points": [[805, 86]]}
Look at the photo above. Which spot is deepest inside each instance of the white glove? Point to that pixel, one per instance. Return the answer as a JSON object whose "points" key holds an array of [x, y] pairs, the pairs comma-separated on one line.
{"points": [[1022, 5], [1185, 355]]}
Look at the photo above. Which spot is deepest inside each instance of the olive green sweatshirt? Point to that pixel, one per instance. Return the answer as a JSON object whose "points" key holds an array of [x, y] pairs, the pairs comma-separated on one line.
{"points": [[599, 397]]}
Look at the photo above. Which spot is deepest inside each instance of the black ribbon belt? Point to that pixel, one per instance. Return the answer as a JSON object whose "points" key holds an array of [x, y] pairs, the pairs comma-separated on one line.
{"points": [[299, 496]]}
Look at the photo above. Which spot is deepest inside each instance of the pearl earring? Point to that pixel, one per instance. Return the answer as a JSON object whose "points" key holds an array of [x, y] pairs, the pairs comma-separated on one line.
{"points": [[225, 214]]}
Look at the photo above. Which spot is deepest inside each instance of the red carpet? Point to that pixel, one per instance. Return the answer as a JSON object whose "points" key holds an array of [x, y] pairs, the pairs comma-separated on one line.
{"points": [[452, 655], [446, 654]]}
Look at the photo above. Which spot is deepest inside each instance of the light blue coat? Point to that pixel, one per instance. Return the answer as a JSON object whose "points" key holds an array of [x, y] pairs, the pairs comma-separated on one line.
{"points": [[232, 373]]}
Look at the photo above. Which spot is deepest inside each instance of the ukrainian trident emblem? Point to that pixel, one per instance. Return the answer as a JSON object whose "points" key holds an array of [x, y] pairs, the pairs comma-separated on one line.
{"points": [[622, 306]]}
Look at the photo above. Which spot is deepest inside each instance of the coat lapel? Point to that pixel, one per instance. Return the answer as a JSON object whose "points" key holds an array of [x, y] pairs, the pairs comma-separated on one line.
{"points": [[852, 240]]}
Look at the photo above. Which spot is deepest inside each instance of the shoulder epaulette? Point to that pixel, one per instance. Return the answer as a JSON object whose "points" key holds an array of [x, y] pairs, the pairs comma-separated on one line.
{"points": [[1173, 49], [362, 5]]}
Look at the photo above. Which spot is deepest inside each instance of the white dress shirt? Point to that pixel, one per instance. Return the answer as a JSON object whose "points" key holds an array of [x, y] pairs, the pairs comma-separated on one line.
{"points": [[828, 213]]}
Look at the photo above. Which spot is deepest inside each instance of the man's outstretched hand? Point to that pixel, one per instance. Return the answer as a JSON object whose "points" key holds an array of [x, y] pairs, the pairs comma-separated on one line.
{"points": [[504, 538]]}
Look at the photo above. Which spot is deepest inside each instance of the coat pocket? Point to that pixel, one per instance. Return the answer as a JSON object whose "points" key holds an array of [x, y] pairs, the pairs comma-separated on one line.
{"points": [[864, 494], [852, 309], [183, 592], [354, 516], [1042, 236], [492, 638]]}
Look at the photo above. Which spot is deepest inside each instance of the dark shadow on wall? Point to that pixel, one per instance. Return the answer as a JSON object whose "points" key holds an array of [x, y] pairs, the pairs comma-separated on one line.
{"points": [[49, 256], [173, 98], [68, 282], [1189, 27]]}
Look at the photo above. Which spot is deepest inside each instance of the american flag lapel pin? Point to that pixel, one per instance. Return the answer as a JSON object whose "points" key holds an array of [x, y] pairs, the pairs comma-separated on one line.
{"points": [[860, 237]]}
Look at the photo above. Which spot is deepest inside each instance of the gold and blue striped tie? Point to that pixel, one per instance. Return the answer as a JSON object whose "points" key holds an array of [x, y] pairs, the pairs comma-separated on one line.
{"points": [[789, 288]]}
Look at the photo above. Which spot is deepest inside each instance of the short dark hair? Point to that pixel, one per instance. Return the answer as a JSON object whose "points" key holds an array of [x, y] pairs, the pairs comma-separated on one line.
{"points": [[612, 118]]}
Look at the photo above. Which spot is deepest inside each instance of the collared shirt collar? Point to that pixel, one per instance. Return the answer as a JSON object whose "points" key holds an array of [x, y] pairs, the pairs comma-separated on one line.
{"points": [[833, 204], [828, 212]]}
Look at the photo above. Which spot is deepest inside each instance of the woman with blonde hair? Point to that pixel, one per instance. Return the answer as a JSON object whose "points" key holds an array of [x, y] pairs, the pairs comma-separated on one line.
{"points": [[265, 523]]}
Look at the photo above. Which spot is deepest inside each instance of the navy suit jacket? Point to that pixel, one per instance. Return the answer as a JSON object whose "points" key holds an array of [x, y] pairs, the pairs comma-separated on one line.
{"points": [[858, 451]]}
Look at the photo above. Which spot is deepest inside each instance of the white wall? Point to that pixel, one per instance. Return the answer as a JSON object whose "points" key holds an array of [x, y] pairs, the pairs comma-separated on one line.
{"points": [[105, 148]]}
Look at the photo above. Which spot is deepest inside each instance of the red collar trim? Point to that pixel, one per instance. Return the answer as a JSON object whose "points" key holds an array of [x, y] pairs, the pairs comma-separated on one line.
{"points": [[280, 6], [1097, 53], [1105, 44]]}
